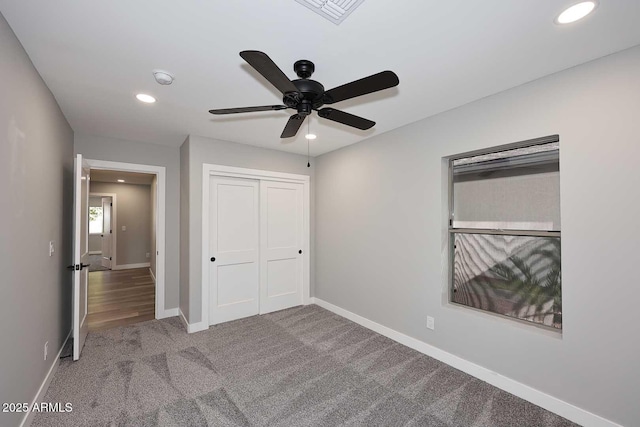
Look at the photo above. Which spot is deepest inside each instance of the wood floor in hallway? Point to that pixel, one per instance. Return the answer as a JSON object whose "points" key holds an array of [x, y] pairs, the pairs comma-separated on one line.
{"points": [[120, 297]]}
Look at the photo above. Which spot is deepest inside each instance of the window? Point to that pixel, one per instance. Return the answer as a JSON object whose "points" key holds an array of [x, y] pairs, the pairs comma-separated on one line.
{"points": [[504, 229], [95, 220]]}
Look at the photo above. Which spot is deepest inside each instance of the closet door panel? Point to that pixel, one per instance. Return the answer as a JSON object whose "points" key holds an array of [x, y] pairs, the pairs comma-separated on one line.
{"points": [[233, 249], [281, 242]]}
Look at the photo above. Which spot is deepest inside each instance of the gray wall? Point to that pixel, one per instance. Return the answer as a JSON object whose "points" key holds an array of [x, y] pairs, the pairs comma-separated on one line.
{"points": [[205, 150], [133, 210], [153, 222], [36, 167], [381, 233], [118, 150], [184, 228]]}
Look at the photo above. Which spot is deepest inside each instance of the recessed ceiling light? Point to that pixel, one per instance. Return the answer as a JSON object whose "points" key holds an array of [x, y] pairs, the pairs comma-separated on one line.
{"points": [[145, 98], [310, 136], [576, 12], [121, 180]]}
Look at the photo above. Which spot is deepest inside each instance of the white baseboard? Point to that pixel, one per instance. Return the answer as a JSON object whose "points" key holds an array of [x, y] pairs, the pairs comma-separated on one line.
{"points": [[39, 397], [169, 312], [129, 266], [537, 397], [154, 277], [193, 327]]}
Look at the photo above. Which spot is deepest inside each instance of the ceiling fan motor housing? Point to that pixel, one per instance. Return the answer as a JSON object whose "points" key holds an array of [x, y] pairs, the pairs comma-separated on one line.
{"points": [[310, 92], [309, 96], [304, 68]]}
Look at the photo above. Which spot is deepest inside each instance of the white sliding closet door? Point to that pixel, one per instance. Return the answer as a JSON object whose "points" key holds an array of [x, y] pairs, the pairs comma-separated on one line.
{"points": [[281, 243], [234, 212]]}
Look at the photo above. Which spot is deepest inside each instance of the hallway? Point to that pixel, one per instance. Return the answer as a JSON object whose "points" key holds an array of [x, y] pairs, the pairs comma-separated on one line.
{"points": [[120, 297]]}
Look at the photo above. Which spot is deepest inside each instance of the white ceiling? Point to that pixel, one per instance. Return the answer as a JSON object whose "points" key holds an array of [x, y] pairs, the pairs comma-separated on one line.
{"points": [[95, 56]]}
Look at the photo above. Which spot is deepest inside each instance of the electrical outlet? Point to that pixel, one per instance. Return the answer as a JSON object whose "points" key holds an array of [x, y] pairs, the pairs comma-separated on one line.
{"points": [[51, 249], [431, 323], [124, 228], [148, 254], [46, 350]]}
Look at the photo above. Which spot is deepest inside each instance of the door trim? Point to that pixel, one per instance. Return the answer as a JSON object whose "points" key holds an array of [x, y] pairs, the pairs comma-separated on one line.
{"points": [[209, 170], [114, 224], [161, 173]]}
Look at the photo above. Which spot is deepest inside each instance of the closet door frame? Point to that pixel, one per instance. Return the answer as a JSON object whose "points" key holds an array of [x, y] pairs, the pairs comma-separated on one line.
{"points": [[209, 170]]}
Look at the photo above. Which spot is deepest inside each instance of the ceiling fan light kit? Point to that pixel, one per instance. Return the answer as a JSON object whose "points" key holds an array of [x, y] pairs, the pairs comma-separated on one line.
{"points": [[305, 95]]}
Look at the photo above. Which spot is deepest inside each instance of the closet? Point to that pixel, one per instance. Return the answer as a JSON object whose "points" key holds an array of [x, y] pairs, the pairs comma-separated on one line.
{"points": [[257, 238]]}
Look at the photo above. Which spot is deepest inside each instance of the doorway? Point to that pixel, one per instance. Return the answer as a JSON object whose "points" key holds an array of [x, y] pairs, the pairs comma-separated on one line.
{"points": [[255, 242], [147, 274], [121, 284]]}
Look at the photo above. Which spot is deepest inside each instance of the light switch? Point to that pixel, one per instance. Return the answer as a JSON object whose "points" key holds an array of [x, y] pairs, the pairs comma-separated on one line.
{"points": [[51, 249], [124, 228]]}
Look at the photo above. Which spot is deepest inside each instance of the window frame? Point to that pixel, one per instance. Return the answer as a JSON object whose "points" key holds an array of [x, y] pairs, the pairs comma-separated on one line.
{"points": [[452, 231]]}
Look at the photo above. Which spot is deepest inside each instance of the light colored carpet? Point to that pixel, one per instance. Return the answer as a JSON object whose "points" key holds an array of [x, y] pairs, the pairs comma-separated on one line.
{"points": [[299, 367]]}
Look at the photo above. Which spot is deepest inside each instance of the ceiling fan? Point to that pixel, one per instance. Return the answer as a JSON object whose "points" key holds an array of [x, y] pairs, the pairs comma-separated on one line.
{"points": [[306, 95]]}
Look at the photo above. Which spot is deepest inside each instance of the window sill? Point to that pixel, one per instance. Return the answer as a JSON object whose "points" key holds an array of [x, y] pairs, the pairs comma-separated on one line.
{"points": [[506, 320]]}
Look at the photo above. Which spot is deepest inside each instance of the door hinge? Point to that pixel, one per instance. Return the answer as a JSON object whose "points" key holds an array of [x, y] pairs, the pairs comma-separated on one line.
{"points": [[110, 231], [110, 204]]}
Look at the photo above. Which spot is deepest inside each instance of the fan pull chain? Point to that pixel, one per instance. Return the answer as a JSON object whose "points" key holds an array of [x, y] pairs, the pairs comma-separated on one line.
{"points": [[308, 142]]}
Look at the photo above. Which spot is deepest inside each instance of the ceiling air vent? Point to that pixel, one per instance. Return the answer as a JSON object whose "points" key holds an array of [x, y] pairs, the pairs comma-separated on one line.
{"points": [[335, 11]]}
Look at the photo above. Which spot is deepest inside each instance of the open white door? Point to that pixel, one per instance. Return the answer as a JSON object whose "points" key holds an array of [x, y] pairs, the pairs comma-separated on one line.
{"points": [[80, 254], [281, 243], [106, 232]]}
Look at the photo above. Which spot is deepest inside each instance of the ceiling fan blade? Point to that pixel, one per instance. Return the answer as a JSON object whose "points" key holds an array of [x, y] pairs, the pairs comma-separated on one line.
{"points": [[346, 118], [374, 83], [292, 126], [261, 62], [247, 109]]}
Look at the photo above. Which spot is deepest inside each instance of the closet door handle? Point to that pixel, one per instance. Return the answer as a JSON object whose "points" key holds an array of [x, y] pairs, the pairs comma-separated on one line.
{"points": [[213, 259], [300, 251]]}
